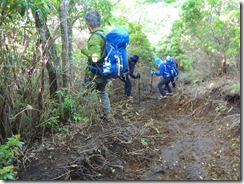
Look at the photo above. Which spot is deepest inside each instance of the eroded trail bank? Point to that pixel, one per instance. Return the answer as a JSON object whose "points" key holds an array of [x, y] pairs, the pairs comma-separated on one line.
{"points": [[183, 137]]}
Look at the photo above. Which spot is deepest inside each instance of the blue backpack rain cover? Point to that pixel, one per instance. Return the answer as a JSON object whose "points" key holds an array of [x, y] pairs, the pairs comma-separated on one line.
{"points": [[115, 60], [171, 68]]}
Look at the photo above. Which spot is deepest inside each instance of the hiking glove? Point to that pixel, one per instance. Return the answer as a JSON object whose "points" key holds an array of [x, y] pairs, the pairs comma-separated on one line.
{"points": [[94, 58], [138, 76], [153, 72]]}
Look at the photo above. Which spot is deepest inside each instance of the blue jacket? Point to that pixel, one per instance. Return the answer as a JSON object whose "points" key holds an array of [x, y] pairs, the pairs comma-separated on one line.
{"points": [[162, 70]]}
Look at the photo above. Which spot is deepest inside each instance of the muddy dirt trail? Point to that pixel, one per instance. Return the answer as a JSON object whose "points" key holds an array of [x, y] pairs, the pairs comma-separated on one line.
{"points": [[184, 137]]}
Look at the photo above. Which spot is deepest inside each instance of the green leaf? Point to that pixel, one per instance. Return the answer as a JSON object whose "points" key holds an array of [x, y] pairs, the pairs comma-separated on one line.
{"points": [[144, 142], [9, 177], [22, 11]]}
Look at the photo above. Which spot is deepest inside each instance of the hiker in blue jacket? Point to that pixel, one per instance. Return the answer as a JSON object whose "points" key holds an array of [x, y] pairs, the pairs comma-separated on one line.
{"points": [[130, 73], [177, 66], [166, 78]]}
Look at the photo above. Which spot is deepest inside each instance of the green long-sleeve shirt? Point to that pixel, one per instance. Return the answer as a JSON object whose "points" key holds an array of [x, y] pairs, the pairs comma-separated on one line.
{"points": [[95, 45]]}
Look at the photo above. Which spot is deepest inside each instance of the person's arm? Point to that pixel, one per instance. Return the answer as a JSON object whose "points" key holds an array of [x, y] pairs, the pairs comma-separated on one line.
{"points": [[160, 71], [131, 71], [95, 45]]}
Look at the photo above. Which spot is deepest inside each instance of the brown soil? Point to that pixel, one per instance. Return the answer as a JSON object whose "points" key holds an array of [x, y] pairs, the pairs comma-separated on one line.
{"points": [[193, 135]]}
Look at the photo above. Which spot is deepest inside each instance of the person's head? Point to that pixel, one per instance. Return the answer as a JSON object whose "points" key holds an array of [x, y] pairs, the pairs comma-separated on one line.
{"points": [[158, 61], [135, 58], [93, 19]]}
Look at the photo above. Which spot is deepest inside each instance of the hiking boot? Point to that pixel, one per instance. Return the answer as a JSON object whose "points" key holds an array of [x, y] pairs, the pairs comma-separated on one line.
{"points": [[162, 97], [109, 117], [169, 94], [129, 97]]}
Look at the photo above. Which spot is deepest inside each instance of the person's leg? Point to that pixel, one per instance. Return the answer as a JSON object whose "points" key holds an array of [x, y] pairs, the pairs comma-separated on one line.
{"points": [[173, 82], [125, 88], [102, 93], [88, 84], [128, 86], [160, 87], [103, 96], [167, 81], [124, 81]]}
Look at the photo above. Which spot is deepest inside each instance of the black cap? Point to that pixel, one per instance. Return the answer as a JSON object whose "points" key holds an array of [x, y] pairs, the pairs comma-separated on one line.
{"points": [[135, 58]]}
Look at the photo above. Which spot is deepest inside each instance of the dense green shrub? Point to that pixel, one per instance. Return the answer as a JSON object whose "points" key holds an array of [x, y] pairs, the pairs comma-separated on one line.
{"points": [[8, 153]]}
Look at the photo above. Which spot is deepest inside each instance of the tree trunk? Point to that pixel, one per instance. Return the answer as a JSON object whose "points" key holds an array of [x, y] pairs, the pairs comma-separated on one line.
{"points": [[64, 26], [49, 52], [223, 70]]}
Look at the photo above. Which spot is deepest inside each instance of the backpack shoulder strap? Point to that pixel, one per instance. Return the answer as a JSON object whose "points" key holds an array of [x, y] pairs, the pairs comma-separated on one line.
{"points": [[102, 34]]}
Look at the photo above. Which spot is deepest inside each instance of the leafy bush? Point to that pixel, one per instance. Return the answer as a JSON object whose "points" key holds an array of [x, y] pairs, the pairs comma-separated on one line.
{"points": [[186, 65], [8, 153], [56, 110]]}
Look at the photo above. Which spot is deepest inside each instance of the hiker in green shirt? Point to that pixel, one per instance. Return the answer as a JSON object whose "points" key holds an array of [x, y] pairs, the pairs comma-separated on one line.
{"points": [[94, 51]]}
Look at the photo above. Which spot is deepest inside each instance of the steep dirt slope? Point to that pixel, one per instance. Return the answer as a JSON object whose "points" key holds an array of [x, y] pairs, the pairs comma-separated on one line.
{"points": [[188, 136]]}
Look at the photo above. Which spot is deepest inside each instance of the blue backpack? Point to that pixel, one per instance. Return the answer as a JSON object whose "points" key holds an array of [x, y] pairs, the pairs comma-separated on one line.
{"points": [[115, 59], [171, 68]]}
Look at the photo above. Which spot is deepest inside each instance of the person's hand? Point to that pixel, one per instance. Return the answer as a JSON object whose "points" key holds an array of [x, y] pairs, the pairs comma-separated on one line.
{"points": [[153, 72], [80, 43], [138, 76]]}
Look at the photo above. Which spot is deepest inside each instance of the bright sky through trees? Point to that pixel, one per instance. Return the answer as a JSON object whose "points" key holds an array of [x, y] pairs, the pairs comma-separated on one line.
{"points": [[156, 18]]}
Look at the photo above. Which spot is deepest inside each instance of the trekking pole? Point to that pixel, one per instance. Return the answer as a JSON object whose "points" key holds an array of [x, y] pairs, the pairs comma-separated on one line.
{"points": [[139, 91], [151, 83]]}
